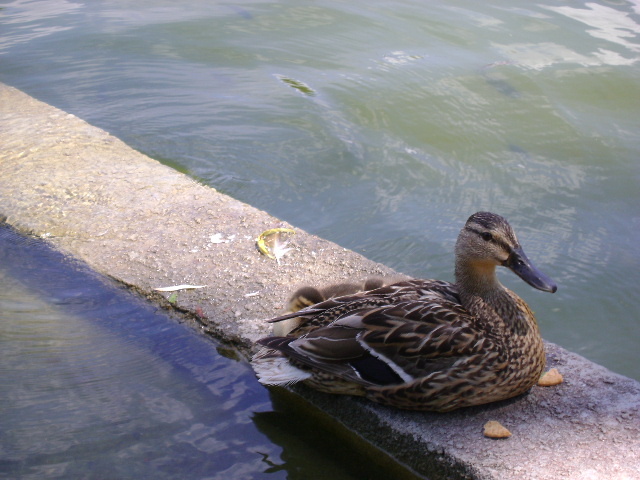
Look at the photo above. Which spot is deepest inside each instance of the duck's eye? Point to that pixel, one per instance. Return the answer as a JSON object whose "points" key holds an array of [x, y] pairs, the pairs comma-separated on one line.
{"points": [[486, 236]]}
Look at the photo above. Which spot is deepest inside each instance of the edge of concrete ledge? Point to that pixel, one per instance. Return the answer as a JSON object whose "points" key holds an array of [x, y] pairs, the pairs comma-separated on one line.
{"points": [[144, 224]]}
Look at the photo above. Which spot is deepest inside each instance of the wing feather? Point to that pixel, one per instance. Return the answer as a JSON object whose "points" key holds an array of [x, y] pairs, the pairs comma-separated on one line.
{"points": [[394, 334]]}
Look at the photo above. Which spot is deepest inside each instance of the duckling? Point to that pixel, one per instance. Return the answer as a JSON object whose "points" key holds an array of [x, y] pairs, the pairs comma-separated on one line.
{"points": [[307, 296], [422, 344]]}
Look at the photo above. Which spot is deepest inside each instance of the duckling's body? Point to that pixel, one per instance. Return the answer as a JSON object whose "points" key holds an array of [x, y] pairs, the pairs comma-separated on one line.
{"points": [[308, 296], [422, 344]]}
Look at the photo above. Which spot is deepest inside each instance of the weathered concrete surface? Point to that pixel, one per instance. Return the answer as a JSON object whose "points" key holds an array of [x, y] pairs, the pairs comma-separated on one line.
{"points": [[147, 225]]}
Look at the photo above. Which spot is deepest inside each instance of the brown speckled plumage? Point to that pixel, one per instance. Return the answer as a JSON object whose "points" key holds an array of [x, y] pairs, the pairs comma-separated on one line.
{"points": [[422, 344]]}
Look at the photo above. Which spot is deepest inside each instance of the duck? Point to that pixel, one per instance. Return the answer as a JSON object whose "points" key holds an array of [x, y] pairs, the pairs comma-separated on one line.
{"points": [[426, 345], [309, 295]]}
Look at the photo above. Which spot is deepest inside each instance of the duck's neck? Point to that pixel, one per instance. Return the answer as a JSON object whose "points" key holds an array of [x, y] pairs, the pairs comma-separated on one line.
{"points": [[478, 279]]}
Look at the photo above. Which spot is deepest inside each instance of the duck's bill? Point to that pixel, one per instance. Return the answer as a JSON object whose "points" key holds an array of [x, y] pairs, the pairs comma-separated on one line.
{"points": [[522, 266]]}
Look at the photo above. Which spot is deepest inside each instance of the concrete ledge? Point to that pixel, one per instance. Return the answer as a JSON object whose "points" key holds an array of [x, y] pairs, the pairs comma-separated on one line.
{"points": [[146, 225]]}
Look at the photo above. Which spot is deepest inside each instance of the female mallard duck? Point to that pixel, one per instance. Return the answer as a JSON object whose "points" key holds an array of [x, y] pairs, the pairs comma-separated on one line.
{"points": [[422, 344]]}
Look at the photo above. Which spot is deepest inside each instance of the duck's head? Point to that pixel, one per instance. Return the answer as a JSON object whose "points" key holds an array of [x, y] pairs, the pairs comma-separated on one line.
{"points": [[487, 241]]}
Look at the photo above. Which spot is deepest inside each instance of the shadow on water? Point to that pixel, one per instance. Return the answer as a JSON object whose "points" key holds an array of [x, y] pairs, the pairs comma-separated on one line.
{"points": [[98, 383], [344, 452]]}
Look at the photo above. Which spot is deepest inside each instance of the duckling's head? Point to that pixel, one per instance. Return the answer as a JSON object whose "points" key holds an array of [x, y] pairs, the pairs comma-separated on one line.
{"points": [[305, 297], [487, 241]]}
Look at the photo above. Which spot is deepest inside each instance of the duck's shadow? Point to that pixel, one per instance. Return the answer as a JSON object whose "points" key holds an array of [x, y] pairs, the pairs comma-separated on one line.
{"points": [[312, 440]]}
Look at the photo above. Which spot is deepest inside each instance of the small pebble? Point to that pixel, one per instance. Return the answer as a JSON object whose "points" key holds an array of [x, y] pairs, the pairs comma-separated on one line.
{"points": [[493, 429], [551, 378]]}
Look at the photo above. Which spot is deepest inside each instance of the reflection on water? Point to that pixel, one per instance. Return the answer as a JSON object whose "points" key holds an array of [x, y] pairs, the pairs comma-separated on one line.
{"points": [[95, 383], [609, 24], [383, 128]]}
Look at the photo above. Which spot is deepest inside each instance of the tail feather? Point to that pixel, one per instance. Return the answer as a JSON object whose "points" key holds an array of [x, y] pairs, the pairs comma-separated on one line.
{"points": [[273, 368]]}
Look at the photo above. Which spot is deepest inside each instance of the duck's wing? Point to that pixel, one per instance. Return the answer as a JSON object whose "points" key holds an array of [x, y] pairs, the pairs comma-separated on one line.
{"points": [[421, 338], [389, 344]]}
